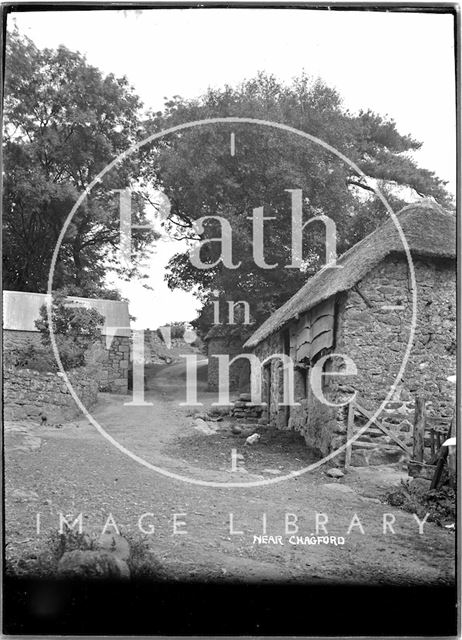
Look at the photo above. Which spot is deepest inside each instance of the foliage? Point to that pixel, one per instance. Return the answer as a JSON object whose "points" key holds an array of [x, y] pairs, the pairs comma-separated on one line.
{"points": [[30, 356], [69, 540], [177, 330], [440, 503], [45, 564], [141, 562], [64, 121], [74, 328], [201, 177]]}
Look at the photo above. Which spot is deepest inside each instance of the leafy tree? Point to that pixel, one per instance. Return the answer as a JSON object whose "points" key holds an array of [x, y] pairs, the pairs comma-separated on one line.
{"points": [[201, 177], [64, 121]]}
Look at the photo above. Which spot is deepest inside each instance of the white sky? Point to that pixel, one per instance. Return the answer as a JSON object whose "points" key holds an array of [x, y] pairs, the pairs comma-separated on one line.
{"points": [[397, 64]]}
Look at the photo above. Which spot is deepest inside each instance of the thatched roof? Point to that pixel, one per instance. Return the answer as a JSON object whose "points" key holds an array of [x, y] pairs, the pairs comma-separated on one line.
{"points": [[429, 231]]}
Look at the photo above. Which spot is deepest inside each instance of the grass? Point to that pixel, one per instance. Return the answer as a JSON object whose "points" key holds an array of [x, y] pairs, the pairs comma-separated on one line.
{"points": [[440, 504], [141, 562]]}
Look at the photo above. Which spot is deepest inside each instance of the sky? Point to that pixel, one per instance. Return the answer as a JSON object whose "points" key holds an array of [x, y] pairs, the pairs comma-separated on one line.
{"points": [[397, 64]]}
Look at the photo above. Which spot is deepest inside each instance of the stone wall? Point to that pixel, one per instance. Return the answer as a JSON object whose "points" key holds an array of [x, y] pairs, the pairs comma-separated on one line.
{"points": [[318, 423], [111, 365], [272, 377], [31, 395], [376, 337], [20, 339], [373, 332]]}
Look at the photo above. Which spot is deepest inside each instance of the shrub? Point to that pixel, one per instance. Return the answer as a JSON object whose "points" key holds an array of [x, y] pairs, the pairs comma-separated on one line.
{"points": [[141, 562], [74, 329], [440, 503]]}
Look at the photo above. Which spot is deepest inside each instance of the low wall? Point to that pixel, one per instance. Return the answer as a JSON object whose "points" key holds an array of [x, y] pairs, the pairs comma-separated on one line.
{"points": [[30, 394], [111, 364]]}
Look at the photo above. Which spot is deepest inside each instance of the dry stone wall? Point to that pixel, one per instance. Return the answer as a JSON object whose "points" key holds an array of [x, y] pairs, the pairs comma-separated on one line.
{"points": [[20, 339], [113, 368], [374, 332], [110, 364], [373, 324], [33, 395]]}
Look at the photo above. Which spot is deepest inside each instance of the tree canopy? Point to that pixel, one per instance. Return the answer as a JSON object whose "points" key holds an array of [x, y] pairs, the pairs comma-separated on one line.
{"points": [[64, 121], [202, 177]]}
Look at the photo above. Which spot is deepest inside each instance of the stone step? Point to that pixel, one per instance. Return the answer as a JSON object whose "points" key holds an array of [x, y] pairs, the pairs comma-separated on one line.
{"points": [[373, 431], [374, 445]]}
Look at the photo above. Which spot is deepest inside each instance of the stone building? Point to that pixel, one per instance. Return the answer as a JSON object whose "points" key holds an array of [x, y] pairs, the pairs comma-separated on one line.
{"points": [[363, 310], [21, 309]]}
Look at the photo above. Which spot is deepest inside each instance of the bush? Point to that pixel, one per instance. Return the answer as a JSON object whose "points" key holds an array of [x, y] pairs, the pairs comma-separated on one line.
{"points": [[141, 562], [440, 503], [74, 328]]}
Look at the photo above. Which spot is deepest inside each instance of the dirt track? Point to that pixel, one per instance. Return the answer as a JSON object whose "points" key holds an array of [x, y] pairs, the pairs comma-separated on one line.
{"points": [[74, 469]]}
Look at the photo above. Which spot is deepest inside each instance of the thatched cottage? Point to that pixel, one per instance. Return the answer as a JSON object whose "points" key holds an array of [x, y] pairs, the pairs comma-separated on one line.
{"points": [[363, 310]]}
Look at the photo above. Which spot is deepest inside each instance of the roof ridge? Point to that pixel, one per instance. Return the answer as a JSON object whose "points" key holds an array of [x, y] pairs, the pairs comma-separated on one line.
{"points": [[435, 239]]}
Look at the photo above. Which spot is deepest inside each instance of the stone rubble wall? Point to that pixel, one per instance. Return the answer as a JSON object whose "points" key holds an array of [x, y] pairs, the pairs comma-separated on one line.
{"points": [[376, 339], [272, 381], [244, 410], [111, 365], [30, 394], [20, 339], [113, 368]]}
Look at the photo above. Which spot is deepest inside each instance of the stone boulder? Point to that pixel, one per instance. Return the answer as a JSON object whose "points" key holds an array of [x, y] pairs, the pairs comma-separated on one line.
{"points": [[334, 473]]}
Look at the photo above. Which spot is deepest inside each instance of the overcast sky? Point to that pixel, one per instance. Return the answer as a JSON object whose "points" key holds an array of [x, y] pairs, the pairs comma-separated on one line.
{"points": [[398, 64]]}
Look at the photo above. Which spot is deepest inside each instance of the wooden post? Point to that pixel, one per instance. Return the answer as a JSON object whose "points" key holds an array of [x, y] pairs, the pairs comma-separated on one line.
{"points": [[349, 433], [419, 429]]}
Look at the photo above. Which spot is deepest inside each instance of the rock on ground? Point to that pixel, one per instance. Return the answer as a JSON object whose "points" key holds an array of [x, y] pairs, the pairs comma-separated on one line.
{"points": [[335, 473], [205, 427]]}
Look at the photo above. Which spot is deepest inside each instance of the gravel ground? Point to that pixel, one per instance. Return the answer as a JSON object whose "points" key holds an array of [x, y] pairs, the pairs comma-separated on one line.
{"points": [[73, 469]]}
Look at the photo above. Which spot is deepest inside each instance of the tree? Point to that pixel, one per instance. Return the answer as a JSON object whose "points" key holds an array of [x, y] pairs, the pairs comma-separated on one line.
{"points": [[64, 121], [202, 178]]}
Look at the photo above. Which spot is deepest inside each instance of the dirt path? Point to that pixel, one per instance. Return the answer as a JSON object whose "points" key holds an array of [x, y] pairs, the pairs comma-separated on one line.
{"points": [[74, 469]]}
